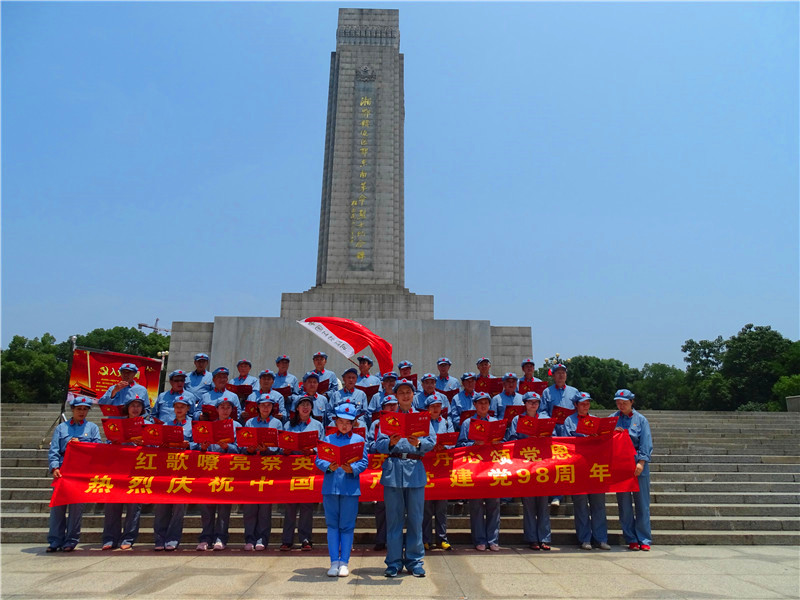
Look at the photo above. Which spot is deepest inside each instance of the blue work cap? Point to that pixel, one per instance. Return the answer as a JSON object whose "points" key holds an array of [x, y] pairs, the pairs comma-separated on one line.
{"points": [[263, 398], [531, 396], [320, 355], [200, 356], [583, 397], [402, 382], [403, 364], [220, 370], [266, 373], [481, 396], [310, 374], [389, 399], [528, 361], [428, 377], [433, 399], [177, 373], [444, 361], [509, 376], [297, 402], [181, 400], [136, 398], [244, 361], [346, 411], [389, 375], [469, 375], [352, 370], [129, 367], [282, 357], [624, 395], [365, 359], [80, 401], [482, 359]]}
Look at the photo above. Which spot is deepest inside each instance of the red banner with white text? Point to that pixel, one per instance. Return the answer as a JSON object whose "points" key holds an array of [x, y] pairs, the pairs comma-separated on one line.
{"points": [[94, 371], [530, 467]]}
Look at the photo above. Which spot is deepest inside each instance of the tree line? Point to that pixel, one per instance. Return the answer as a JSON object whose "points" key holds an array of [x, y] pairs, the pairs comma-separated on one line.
{"points": [[753, 370]]}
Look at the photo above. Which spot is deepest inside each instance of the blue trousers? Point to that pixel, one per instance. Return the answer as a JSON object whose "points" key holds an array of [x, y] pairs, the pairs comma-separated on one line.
{"points": [[168, 523], [340, 517], [404, 507], [215, 519], [257, 523], [536, 519], [484, 520], [65, 531], [305, 525], [380, 522], [113, 530], [636, 529], [438, 509], [595, 528]]}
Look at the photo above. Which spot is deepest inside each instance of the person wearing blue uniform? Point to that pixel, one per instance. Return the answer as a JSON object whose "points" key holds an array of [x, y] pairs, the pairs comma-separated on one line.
{"points": [[162, 409], [462, 400], [558, 394], [349, 394], [528, 369], [635, 526], [404, 369], [168, 518], [428, 384], [115, 534], [484, 368], [404, 480], [436, 508], [535, 512], [444, 382], [199, 381], [320, 404], [266, 382], [365, 378], [217, 394], [283, 380], [300, 421], [244, 378], [590, 509], [119, 393], [376, 402], [215, 518], [65, 532], [509, 396], [340, 492], [484, 513], [258, 517], [388, 404], [320, 360]]}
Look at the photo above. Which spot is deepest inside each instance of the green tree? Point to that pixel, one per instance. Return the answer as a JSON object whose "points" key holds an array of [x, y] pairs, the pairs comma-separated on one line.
{"points": [[127, 340], [601, 377], [662, 387], [33, 370], [703, 358], [788, 385]]}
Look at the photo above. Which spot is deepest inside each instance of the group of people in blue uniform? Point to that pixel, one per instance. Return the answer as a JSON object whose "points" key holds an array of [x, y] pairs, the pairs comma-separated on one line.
{"points": [[404, 519]]}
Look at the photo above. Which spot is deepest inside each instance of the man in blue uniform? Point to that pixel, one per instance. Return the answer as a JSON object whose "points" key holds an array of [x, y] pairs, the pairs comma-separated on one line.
{"points": [[404, 481], [365, 378], [285, 379], [348, 394], [376, 402], [244, 377], [320, 404], [528, 368], [266, 381], [119, 393], [444, 382], [199, 381], [218, 394], [463, 400], [163, 408], [404, 369], [507, 397], [428, 382], [484, 367], [559, 394], [320, 360]]}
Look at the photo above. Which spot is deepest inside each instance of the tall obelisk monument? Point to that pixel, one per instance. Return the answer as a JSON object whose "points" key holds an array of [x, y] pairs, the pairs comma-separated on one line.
{"points": [[361, 255]]}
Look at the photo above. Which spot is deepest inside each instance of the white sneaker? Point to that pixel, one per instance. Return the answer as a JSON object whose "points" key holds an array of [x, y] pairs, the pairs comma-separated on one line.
{"points": [[344, 570], [218, 545], [334, 570], [555, 502]]}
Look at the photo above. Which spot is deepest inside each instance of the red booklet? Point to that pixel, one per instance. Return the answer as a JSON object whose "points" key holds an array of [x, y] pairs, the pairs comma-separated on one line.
{"points": [[369, 390], [362, 431], [532, 386], [447, 439], [535, 427], [466, 414], [512, 411], [252, 436], [213, 432], [210, 411], [487, 431], [342, 455], [173, 434], [490, 386], [243, 391], [298, 440], [560, 414], [595, 425], [416, 424], [112, 410], [123, 430], [153, 435], [250, 409], [284, 391], [448, 393], [412, 378]]}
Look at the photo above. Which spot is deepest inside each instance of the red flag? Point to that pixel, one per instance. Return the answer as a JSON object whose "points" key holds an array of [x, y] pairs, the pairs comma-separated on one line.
{"points": [[349, 337]]}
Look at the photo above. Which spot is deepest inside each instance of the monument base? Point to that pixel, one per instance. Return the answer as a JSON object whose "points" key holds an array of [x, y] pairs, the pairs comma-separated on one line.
{"points": [[357, 302]]}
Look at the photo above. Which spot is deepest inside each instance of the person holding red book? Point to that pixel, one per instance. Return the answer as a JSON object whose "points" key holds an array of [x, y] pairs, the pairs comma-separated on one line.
{"points": [[428, 384], [218, 394], [444, 382], [162, 409], [437, 508], [119, 393], [340, 492], [347, 395], [266, 380], [484, 513], [507, 397], [463, 400], [320, 359], [635, 527], [114, 534], [215, 518], [168, 518], [558, 394], [590, 509], [258, 517], [320, 405], [284, 379], [404, 369], [528, 369], [199, 381], [244, 367], [484, 367], [389, 404], [365, 378], [404, 480], [301, 421], [376, 402], [535, 512]]}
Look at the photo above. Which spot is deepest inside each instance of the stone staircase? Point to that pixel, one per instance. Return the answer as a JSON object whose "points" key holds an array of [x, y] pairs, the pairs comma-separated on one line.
{"points": [[717, 478]]}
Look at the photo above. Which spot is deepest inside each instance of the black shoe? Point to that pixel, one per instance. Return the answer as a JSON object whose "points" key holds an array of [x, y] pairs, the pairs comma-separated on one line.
{"points": [[52, 549], [306, 546]]}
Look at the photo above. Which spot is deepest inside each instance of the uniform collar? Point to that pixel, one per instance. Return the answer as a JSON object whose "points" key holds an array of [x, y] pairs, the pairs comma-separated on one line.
{"points": [[74, 422], [562, 388], [176, 422]]}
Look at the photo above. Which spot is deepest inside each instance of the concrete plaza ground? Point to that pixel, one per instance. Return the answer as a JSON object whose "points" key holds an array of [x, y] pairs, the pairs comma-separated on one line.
{"points": [[701, 572]]}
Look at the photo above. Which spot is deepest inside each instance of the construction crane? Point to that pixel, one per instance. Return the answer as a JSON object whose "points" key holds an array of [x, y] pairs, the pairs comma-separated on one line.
{"points": [[154, 327]]}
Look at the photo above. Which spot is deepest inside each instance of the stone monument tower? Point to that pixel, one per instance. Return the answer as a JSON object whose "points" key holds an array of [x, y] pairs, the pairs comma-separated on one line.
{"points": [[361, 255], [360, 260]]}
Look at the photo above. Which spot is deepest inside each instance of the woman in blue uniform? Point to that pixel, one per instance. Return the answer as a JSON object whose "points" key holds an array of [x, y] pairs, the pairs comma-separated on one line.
{"points": [[215, 518], [115, 535], [340, 492], [388, 404], [65, 533], [258, 517], [168, 518], [535, 509], [635, 526], [300, 421], [590, 509]]}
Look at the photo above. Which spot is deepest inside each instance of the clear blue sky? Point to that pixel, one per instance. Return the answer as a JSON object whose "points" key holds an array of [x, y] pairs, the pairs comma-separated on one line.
{"points": [[620, 177]]}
